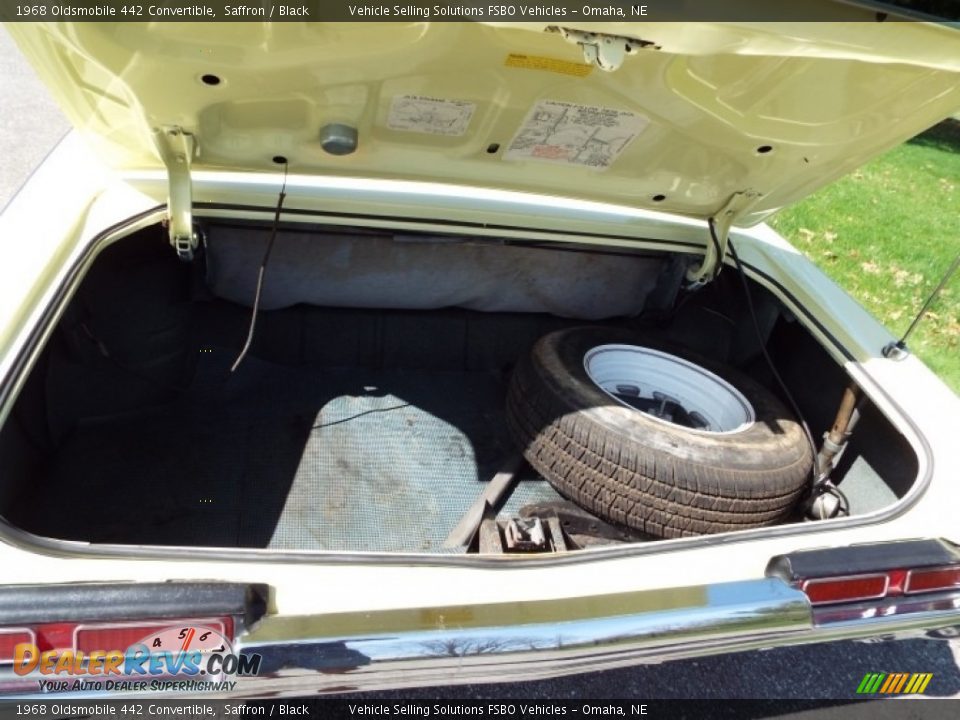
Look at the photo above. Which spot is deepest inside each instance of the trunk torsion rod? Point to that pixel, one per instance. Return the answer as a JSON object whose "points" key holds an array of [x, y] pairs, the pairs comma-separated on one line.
{"points": [[898, 350]]}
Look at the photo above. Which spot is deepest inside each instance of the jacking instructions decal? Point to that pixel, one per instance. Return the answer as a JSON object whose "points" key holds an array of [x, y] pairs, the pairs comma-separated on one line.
{"points": [[574, 134], [433, 116]]}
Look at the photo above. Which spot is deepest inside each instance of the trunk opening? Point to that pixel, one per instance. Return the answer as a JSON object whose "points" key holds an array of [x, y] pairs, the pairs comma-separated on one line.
{"points": [[369, 413]]}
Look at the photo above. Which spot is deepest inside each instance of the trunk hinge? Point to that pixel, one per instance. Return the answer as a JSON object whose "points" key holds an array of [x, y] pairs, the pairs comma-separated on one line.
{"points": [[717, 251], [178, 148], [607, 52]]}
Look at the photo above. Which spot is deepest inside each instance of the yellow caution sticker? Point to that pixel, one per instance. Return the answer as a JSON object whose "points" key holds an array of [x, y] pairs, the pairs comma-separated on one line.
{"points": [[537, 62]]}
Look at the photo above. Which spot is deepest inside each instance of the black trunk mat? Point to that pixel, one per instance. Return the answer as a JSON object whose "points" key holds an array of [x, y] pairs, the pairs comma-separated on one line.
{"points": [[285, 458]]}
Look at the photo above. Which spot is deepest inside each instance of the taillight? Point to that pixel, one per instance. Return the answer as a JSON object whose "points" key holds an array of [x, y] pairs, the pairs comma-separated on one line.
{"points": [[10, 638], [879, 579], [105, 637], [932, 580], [876, 586], [74, 630], [845, 589], [118, 636]]}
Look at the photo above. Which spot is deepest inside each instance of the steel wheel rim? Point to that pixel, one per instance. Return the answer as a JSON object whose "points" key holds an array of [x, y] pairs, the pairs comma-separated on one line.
{"points": [[668, 389]]}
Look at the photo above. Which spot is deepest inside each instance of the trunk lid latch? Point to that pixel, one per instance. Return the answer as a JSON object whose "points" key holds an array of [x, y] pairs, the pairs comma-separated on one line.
{"points": [[177, 149], [607, 52]]}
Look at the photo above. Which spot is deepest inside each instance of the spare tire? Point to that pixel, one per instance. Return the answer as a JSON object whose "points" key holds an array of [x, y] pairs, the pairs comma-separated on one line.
{"points": [[657, 441]]}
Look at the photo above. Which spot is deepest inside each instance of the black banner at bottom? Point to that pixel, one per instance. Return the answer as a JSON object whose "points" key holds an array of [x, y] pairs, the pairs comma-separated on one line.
{"points": [[365, 707]]}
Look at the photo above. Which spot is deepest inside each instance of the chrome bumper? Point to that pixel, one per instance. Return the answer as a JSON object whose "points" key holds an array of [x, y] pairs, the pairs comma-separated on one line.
{"points": [[439, 646], [528, 641]]}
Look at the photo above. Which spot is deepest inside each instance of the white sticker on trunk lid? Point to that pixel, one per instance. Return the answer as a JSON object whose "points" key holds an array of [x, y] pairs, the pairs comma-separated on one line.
{"points": [[572, 134], [434, 116]]}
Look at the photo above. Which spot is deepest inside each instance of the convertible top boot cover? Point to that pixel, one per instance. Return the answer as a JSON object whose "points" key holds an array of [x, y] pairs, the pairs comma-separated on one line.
{"points": [[424, 273]]}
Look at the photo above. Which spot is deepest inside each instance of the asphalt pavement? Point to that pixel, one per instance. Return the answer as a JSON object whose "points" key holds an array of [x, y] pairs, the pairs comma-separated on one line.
{"points": [[31, 124]]}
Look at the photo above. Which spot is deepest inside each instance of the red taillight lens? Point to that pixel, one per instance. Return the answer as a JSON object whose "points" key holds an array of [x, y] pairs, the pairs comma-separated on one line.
{"points": [[845, 589], [174, 635], [120, 636], [890, 584], [932, 580], [10, 638], [111, 637]]}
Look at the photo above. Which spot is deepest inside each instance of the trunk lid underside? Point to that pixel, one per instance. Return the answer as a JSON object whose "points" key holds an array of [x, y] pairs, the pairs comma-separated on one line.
{"points": [[696, 115]]}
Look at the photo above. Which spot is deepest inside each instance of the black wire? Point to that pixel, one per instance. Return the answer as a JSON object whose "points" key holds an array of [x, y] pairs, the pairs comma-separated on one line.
{"points": [[359, 415], [260, 274], [818, 483]]}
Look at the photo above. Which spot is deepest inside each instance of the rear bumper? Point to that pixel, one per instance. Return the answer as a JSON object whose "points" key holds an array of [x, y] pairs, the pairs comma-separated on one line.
{"points": [[614, 631], [442, 646], [306, 655]]}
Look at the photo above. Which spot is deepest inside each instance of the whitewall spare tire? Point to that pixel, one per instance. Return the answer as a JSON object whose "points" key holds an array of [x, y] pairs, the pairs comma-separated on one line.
{"points": [[656, 440]]}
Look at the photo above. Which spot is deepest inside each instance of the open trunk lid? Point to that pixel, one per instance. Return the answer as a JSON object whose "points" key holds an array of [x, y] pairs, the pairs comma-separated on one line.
{"points": [[684, 118]]}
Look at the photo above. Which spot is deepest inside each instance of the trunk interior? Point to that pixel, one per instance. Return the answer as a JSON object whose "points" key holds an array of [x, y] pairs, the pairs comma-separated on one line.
{"points": [[368, 414]]}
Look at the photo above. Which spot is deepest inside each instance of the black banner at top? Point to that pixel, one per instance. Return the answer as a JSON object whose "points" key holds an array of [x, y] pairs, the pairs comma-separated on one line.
{"points": [[548, 11]]}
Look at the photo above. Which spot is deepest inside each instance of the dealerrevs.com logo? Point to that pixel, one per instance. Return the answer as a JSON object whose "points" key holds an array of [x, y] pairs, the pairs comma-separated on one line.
{"points": [[178, 658]]}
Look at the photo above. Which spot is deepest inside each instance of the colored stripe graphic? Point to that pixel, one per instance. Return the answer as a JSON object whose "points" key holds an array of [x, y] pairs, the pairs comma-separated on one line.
{"points": [[915, 681], [891, 681], [894, 683]]}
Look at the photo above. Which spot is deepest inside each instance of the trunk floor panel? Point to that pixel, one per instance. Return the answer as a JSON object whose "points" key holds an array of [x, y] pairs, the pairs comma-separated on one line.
{"points": [[287, 458]]}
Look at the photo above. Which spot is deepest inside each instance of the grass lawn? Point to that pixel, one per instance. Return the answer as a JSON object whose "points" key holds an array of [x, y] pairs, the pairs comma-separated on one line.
{"points": [[887, 233]]}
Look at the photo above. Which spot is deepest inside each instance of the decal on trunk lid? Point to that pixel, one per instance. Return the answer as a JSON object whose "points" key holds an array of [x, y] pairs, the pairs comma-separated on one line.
{"points": [[434, 116], [574, 134]]}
